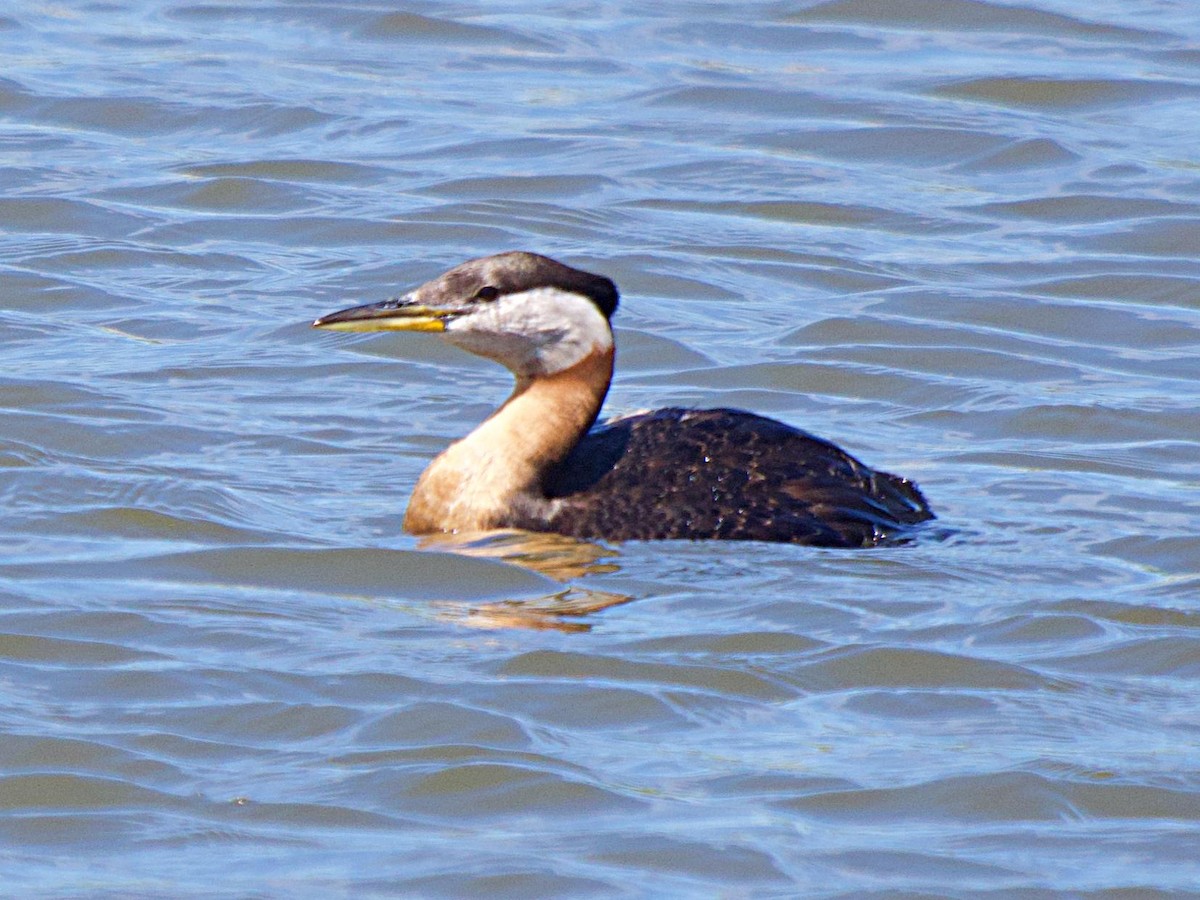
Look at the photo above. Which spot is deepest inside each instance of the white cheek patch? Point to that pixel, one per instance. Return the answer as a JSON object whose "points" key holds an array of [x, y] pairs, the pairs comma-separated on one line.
{"points": [[536, 332]]}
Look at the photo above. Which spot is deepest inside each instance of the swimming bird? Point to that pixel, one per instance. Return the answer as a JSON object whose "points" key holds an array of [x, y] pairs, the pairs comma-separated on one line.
{"points": [[537, 463]]}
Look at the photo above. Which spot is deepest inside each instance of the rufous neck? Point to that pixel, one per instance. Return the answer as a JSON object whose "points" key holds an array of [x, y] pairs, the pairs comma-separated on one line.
{"points": [[499, 467]]}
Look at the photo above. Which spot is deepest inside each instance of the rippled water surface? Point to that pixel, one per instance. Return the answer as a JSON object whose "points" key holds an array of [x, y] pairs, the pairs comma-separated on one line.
{"points": [[958, 237]]}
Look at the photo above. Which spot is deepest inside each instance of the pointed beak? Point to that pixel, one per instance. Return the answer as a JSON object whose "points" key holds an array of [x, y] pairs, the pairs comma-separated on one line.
{"points": [[399, 314]]}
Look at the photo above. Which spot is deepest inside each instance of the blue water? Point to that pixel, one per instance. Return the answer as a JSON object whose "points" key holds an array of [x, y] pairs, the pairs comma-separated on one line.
{"points": [[958, 238]]}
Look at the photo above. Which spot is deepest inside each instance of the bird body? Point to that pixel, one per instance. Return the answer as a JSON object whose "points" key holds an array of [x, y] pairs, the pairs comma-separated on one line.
{"points": [[537, 464], [728, 474]]}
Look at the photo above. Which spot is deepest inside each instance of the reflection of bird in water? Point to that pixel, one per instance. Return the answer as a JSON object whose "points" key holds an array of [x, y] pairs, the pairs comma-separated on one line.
{"points": [[553, 555], [672, 473]]}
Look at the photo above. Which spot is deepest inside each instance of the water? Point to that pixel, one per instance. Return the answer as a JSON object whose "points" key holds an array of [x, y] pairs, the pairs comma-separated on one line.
{"points": [[959, 238]]}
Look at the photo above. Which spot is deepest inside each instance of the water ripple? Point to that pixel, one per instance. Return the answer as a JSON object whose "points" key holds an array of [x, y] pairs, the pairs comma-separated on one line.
{"points": [[957, 237]]}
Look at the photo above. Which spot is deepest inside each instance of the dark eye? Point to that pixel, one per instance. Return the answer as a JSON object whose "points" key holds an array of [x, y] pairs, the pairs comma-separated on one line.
{"points": [[487, 292]]}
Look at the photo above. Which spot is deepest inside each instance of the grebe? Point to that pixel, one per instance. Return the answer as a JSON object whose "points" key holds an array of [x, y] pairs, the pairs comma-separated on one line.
{"points": [[672, 473]]}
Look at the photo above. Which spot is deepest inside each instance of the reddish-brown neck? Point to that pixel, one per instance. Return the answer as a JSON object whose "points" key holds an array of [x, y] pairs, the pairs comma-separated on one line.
{"points": [[478, 482]]}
